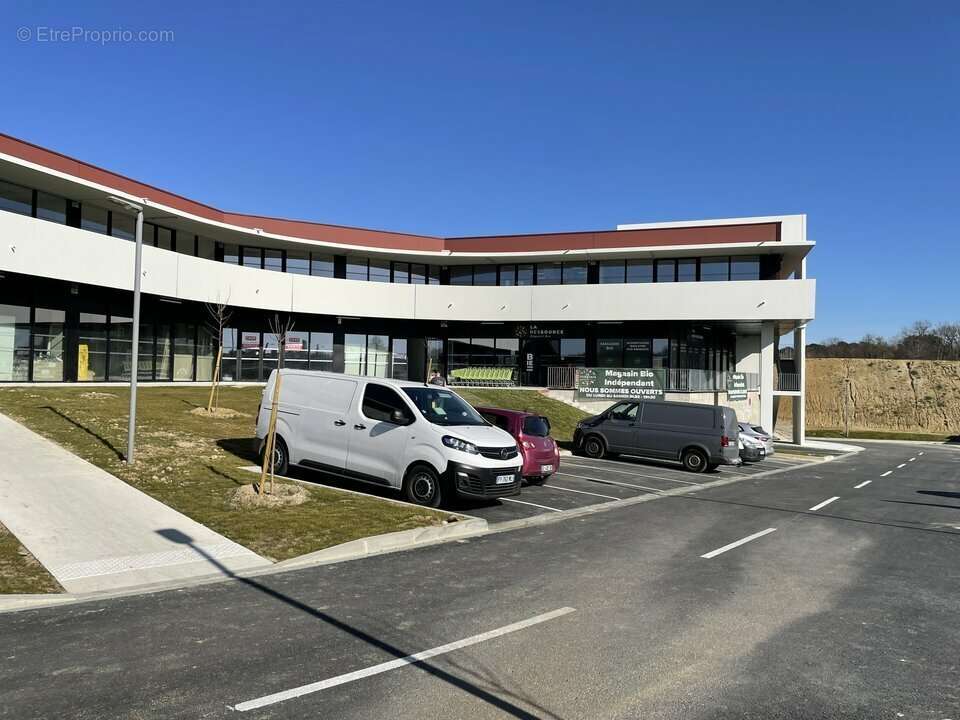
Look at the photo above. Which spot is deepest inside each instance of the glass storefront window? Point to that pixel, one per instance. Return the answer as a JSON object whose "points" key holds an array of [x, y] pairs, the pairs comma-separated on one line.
{"points": [[378, 355], [666, 271], [15, 198], [524, 274], [458, 352], [183, 348], [745, 267], [14, 343], [639, 271], [163, 364], [354, 354], [249, 356], [549, 273], [47, 345], [298, 262], [398, 359], [121, 337], [321, 351], [271, 354], [93, 218], [508, 350], [273, 260], [51, 207], [123, 226], [356, 269], [612, 271], [228, 361], [661, 353], [206, 354], [92, 348], [609, 352], [573, 351], [714, 269], [461, 275], [145, 357], [637, 353], [574, 273], [687, 270], [321, 265], [435, 354], [485, 275], [296, 351]]}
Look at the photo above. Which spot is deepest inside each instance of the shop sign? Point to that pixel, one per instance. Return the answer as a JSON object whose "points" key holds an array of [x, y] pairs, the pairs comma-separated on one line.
{"points": [[250, 341], [619, 383], [736, 386], [294, 343], [529, 362]]}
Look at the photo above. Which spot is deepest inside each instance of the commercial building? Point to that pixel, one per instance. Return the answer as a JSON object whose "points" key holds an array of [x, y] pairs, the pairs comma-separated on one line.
{"points": [[695, 301]]}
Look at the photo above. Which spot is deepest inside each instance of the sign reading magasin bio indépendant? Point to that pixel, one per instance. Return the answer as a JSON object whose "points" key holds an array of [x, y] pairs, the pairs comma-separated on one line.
{"points": [[619, 383]]}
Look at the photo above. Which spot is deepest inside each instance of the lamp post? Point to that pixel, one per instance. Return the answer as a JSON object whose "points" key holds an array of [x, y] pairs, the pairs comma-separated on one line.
{"points": [[135, 346]]}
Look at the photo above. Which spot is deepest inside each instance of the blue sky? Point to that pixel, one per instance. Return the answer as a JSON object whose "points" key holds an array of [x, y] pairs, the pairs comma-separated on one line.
{"points": [[492, 117]]}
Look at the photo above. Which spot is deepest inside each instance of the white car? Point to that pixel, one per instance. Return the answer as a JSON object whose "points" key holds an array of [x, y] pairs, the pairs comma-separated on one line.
{"points": [[424, 440], [758, 433], [751, 449]]}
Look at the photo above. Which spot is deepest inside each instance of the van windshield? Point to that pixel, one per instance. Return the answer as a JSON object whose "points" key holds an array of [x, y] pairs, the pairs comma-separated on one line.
{"points": [[442, 407]]}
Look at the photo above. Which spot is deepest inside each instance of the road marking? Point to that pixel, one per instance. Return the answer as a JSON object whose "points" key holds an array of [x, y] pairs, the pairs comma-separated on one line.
{"points": [[823, 504], [901, 465], [738, 543], [523, 502], [635, 474], [399, 662], [582, 492], [612, 482], [920, 453], [863, 484], [886, 473], [911, 459]]}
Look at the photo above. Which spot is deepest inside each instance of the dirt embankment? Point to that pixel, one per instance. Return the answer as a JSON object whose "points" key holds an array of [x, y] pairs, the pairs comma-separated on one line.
{"points": [[920, 396]]}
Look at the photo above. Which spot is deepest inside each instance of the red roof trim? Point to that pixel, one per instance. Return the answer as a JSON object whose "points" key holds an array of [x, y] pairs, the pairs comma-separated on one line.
{"points": [[388, 240]]}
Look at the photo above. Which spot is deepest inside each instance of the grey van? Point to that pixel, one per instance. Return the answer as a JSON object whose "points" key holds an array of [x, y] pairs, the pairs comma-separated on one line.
{"points": [[700, 436]]}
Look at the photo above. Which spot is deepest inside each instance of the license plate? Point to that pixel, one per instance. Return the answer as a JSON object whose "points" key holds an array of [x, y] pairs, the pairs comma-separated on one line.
{"points": [[546, 468], [504, 479]]}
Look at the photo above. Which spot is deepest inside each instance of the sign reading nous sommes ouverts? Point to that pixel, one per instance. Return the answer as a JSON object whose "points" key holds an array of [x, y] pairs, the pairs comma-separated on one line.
{"points": [[736, 386], [619, 383]]}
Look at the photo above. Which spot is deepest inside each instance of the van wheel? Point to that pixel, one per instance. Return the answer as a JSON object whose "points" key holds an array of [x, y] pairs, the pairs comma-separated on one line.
{"points": [[281, 458], [694, 460], [422, 486], [593, 447]]}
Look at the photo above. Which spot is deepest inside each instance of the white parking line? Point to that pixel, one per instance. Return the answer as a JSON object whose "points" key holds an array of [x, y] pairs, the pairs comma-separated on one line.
{"points": [[634, 474], [901, 465], [920, 453], [823, 504], [738, 543], [863, 484], [582, 492], [911, 459], [399, 662], [886, 473], [524, 502], [612, 482]]}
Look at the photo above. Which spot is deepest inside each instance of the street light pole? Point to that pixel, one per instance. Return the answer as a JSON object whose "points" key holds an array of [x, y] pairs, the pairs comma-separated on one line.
{"points": [[135, 347]]}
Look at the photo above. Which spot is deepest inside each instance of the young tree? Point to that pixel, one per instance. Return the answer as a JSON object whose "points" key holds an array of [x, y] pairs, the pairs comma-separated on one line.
{"points": [[282, 329], [218, 316]]}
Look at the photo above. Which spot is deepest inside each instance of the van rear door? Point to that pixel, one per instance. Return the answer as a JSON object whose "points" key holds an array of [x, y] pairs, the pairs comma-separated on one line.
{"points": [[325, 432]]}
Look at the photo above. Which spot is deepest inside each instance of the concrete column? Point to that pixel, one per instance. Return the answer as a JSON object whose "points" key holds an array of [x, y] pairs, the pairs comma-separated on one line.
{"points": [[766, 375], [800, 403]]}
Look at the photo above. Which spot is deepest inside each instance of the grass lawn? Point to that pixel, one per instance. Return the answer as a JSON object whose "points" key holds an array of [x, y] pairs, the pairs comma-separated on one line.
{"points": [[881, 435], [191, 463], [563, 417], [20, 573]]}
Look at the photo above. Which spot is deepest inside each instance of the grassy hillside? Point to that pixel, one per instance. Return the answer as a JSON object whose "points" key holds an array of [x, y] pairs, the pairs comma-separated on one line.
{"points": [[884, 397]]}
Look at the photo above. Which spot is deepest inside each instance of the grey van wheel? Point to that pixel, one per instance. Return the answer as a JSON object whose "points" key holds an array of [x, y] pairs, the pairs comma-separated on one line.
{"points": [[694, 460], [593, 447], [422, 486], [281, 458]]}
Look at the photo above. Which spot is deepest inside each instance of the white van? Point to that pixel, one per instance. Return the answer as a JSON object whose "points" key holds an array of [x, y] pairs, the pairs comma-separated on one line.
{"points": [[424, 440]]}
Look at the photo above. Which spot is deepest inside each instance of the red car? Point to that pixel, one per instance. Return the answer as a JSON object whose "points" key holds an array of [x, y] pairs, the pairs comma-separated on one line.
{"points": [[541, 456]]}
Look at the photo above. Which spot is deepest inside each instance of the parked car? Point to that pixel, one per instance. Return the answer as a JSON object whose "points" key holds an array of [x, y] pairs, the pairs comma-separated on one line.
{"points": [[541, 456], [423, 440], [751, 449], [700, 436], [760, 434]]}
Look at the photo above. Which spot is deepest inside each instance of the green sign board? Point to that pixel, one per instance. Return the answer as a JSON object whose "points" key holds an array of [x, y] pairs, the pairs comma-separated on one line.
{"points": [[619, 383], [736, 386]]}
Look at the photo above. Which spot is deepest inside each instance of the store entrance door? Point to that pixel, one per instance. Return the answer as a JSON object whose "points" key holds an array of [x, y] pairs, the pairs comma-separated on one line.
{"points": [[536, 356]]}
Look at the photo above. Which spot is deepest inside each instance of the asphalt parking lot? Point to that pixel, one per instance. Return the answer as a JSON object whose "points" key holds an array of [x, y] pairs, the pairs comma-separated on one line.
{"points": [[582, 481]]}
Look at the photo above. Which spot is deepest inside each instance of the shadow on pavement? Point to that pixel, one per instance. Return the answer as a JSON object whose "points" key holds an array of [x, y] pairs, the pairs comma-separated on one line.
{"points": [[505, 706]]}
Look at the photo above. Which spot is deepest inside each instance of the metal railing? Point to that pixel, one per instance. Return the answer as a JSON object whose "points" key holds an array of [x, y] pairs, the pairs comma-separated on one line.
{"points": [[672, 379], [789, 382]]}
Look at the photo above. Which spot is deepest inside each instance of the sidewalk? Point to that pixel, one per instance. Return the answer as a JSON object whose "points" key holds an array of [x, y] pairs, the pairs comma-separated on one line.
{"points": [[91, 530]]}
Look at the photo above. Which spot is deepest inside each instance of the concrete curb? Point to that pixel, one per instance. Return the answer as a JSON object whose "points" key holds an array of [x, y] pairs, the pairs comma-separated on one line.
{"points": [[880, 441], [387, 543]]}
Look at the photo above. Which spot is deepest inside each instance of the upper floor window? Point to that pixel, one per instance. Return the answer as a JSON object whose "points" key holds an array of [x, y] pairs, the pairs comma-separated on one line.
{"points": [[321, 265], [93, 218], [418, 274], [357, 268], [15, 198], [524, 274], [666, 271], [380, 271], [123, 226], [186, 243], [639, 271], [231, 254], [51, 207], [461, 275], [612, 271], [164, 238], [549, 273], [485, 275], [298, 262], [687, 270], [745, 267], [251, 257], [574, 273], [273, 260], [508, 275], [401, 272], [714, 269]]}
